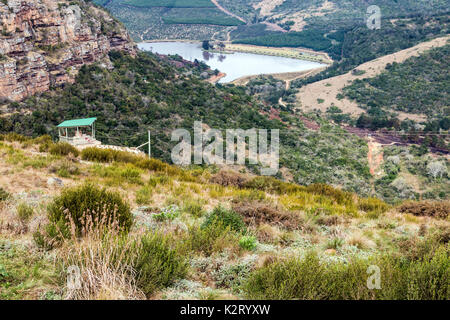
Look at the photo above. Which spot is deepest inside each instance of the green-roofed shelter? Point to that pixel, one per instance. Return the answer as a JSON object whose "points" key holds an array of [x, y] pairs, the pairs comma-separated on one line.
{"points": [[78, 124]]}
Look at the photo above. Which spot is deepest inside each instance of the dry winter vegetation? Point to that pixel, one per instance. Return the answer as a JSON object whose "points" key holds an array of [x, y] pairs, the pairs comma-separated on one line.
{"points": [[138, 228]]}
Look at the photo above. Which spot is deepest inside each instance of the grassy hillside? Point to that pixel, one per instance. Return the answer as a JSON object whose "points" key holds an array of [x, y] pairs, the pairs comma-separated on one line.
{"points": [[418, 85], [162, 94], [149, 93], [202, 234]]}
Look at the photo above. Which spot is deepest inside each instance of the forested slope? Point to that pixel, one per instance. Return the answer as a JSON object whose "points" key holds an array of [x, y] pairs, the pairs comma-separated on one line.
{"points": [[419, 85]]}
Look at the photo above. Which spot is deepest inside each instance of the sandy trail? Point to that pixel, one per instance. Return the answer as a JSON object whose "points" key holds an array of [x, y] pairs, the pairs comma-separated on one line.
{"points": [[274, 27], [375, 156], [227, 11], [328, 89]]}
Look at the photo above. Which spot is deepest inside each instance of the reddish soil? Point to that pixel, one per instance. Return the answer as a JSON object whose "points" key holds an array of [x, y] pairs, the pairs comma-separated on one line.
{"points": [[215, 79], [391, 138], [310, 124]]}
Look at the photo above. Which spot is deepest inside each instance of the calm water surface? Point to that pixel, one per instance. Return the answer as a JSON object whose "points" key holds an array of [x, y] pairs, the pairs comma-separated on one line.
{"points": [[235, 65]]}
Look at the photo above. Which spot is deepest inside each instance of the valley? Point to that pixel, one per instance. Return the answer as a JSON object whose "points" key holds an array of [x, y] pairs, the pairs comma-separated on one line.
{"points": [[238, 61], [95, 108]]}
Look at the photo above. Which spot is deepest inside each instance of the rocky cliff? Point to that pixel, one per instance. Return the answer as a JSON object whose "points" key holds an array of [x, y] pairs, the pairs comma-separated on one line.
{"points": [[43, 43]]}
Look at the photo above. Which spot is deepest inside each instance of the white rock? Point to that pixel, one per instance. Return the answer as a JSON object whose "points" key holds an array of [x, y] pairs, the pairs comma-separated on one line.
{"points": [[55, 182]]}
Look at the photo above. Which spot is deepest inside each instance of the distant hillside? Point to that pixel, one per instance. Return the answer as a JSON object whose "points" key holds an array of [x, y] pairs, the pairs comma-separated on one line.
{"points": [[418, 85], [168, 19], [329, 91]]}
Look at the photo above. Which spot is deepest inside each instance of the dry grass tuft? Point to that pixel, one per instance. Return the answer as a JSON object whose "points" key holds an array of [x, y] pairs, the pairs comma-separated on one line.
{"points": [[268, 234], [105, 272]]}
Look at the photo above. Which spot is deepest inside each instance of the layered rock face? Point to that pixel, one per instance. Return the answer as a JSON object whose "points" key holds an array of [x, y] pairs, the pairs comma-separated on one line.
{"points": [[43, 43]]}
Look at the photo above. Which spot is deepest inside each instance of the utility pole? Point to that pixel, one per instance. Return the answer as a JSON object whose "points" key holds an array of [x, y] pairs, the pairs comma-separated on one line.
{"points": [[149, 145]]}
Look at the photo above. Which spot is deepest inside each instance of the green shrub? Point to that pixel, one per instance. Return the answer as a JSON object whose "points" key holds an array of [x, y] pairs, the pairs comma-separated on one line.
{"points": [[158, 166], [248, 243], [64, 168], [97, 154], [226, 218], [194, 208], [374, 207], [4, 195], [208, 240], [24, 212], [272, 185], [249, 195], [168, 213], [341, 197], [12, 136], [158, 263], [118, 174], [334, 243], [157, 180], [109, 155], [144, 195], [44, 142], [63, 149], [309, 278], [84, 207], [429, 279]]}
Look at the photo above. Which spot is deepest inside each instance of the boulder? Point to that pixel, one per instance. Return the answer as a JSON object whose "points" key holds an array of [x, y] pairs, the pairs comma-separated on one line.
{"points": [[55, 182]]}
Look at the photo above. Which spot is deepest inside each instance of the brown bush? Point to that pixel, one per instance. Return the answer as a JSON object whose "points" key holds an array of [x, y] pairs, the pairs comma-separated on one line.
{"points": [[436, 209], [257, 213], [229, 179]]}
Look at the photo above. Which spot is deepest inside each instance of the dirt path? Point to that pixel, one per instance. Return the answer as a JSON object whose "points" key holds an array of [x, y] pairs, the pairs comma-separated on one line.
{"points": [[274, 27], [216, 3], [229, 36], [288, 85], [375, 156], [216, 78], [327, 90]]}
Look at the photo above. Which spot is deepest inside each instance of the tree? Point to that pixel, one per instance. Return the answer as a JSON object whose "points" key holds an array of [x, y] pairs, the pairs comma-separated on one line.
{"points": [[206, 45], [436, 169]]}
